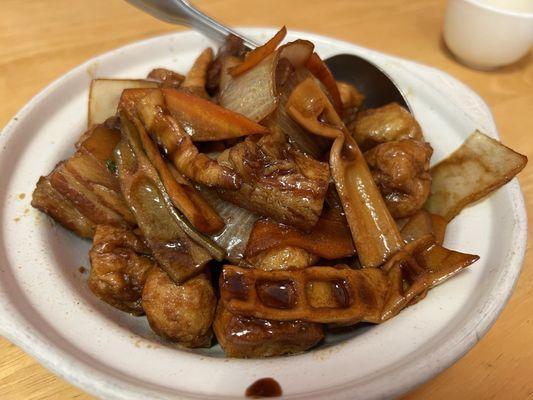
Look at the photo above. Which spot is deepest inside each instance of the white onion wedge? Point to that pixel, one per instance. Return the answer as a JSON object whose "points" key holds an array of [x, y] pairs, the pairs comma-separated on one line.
{"points": [[104, 96], [480, 166], [253, 94]]}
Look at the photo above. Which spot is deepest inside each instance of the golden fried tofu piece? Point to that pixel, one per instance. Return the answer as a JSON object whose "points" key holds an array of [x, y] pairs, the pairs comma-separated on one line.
{"points": [[180, 313]]}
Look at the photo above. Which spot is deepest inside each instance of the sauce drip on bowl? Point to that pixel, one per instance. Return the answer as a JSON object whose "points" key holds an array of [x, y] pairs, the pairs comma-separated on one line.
{"points": [[265, 387]]}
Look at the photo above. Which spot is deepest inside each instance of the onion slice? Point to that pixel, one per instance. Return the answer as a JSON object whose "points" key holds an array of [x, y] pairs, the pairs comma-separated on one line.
{"points": [[297, 52], [104, 95], [253, 94], [279, 120], [480, 166], [239, 223], [225, 78]]}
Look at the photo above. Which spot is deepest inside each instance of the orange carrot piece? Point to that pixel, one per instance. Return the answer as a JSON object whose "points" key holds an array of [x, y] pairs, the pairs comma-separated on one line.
{"points": [[256, 56]]}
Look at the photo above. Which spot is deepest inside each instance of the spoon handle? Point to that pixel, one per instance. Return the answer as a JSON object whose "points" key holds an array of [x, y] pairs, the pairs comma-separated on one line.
{"points": [[181, 12]]}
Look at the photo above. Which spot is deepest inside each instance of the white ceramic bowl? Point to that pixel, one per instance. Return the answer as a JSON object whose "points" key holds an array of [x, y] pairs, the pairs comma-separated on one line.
{"points": [[46, 308], [484, 36]]}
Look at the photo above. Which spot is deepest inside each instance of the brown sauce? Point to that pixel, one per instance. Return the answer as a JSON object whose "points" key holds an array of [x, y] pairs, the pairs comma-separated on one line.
{"points": [[265, 387], [235, 284], [279, 294], [341, 294]]}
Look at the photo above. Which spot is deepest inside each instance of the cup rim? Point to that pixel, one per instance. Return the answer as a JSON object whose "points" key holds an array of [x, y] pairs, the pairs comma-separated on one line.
{"points": [[500, 10]]}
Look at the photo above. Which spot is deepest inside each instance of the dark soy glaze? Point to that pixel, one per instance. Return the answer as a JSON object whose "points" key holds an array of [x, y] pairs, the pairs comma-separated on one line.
{"points": [[265, 387]]}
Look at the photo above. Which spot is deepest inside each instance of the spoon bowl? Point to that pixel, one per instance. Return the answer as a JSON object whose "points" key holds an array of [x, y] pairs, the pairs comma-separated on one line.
{"points": [[377, 87]]}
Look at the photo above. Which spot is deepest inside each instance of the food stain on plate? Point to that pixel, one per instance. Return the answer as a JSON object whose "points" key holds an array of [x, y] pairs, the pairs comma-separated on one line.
{"points": [[264, 387]]}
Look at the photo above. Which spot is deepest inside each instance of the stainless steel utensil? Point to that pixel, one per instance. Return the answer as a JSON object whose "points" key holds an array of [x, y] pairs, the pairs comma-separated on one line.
{"points": [[377, 87], [180, 12]]}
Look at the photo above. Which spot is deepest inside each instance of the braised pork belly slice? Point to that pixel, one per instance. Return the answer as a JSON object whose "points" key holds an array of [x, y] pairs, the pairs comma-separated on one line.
{"points": [[51, 202], [278, 181], [85, 199], [85, 186]]}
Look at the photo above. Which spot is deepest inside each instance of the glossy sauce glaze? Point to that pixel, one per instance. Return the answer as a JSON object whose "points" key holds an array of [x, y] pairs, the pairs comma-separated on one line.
{"points": [[236, 285], [276, 294], [341, 293]]}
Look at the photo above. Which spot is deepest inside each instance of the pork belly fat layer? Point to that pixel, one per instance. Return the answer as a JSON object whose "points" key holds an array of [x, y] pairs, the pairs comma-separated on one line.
{"points": [[278, 181], [82, 191]]}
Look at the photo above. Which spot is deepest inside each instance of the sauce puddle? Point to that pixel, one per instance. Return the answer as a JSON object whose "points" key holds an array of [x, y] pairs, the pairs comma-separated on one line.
{"points": [[265, 387]]}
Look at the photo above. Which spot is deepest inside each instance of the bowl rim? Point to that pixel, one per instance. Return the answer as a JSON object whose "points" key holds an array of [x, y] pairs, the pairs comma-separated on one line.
{"points": [[499, 10]]}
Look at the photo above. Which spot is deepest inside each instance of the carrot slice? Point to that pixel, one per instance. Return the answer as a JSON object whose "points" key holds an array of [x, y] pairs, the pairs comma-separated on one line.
{"points": [[330, 238], [206, 121], [256, 56]]}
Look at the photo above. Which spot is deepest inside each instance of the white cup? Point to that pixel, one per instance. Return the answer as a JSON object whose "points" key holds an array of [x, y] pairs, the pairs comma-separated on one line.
{"points": [[485, 36]]}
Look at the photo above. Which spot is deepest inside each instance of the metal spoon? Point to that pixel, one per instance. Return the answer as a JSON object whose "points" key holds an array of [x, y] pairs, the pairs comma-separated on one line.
{"points": [[180, 12], [377, 87]]}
